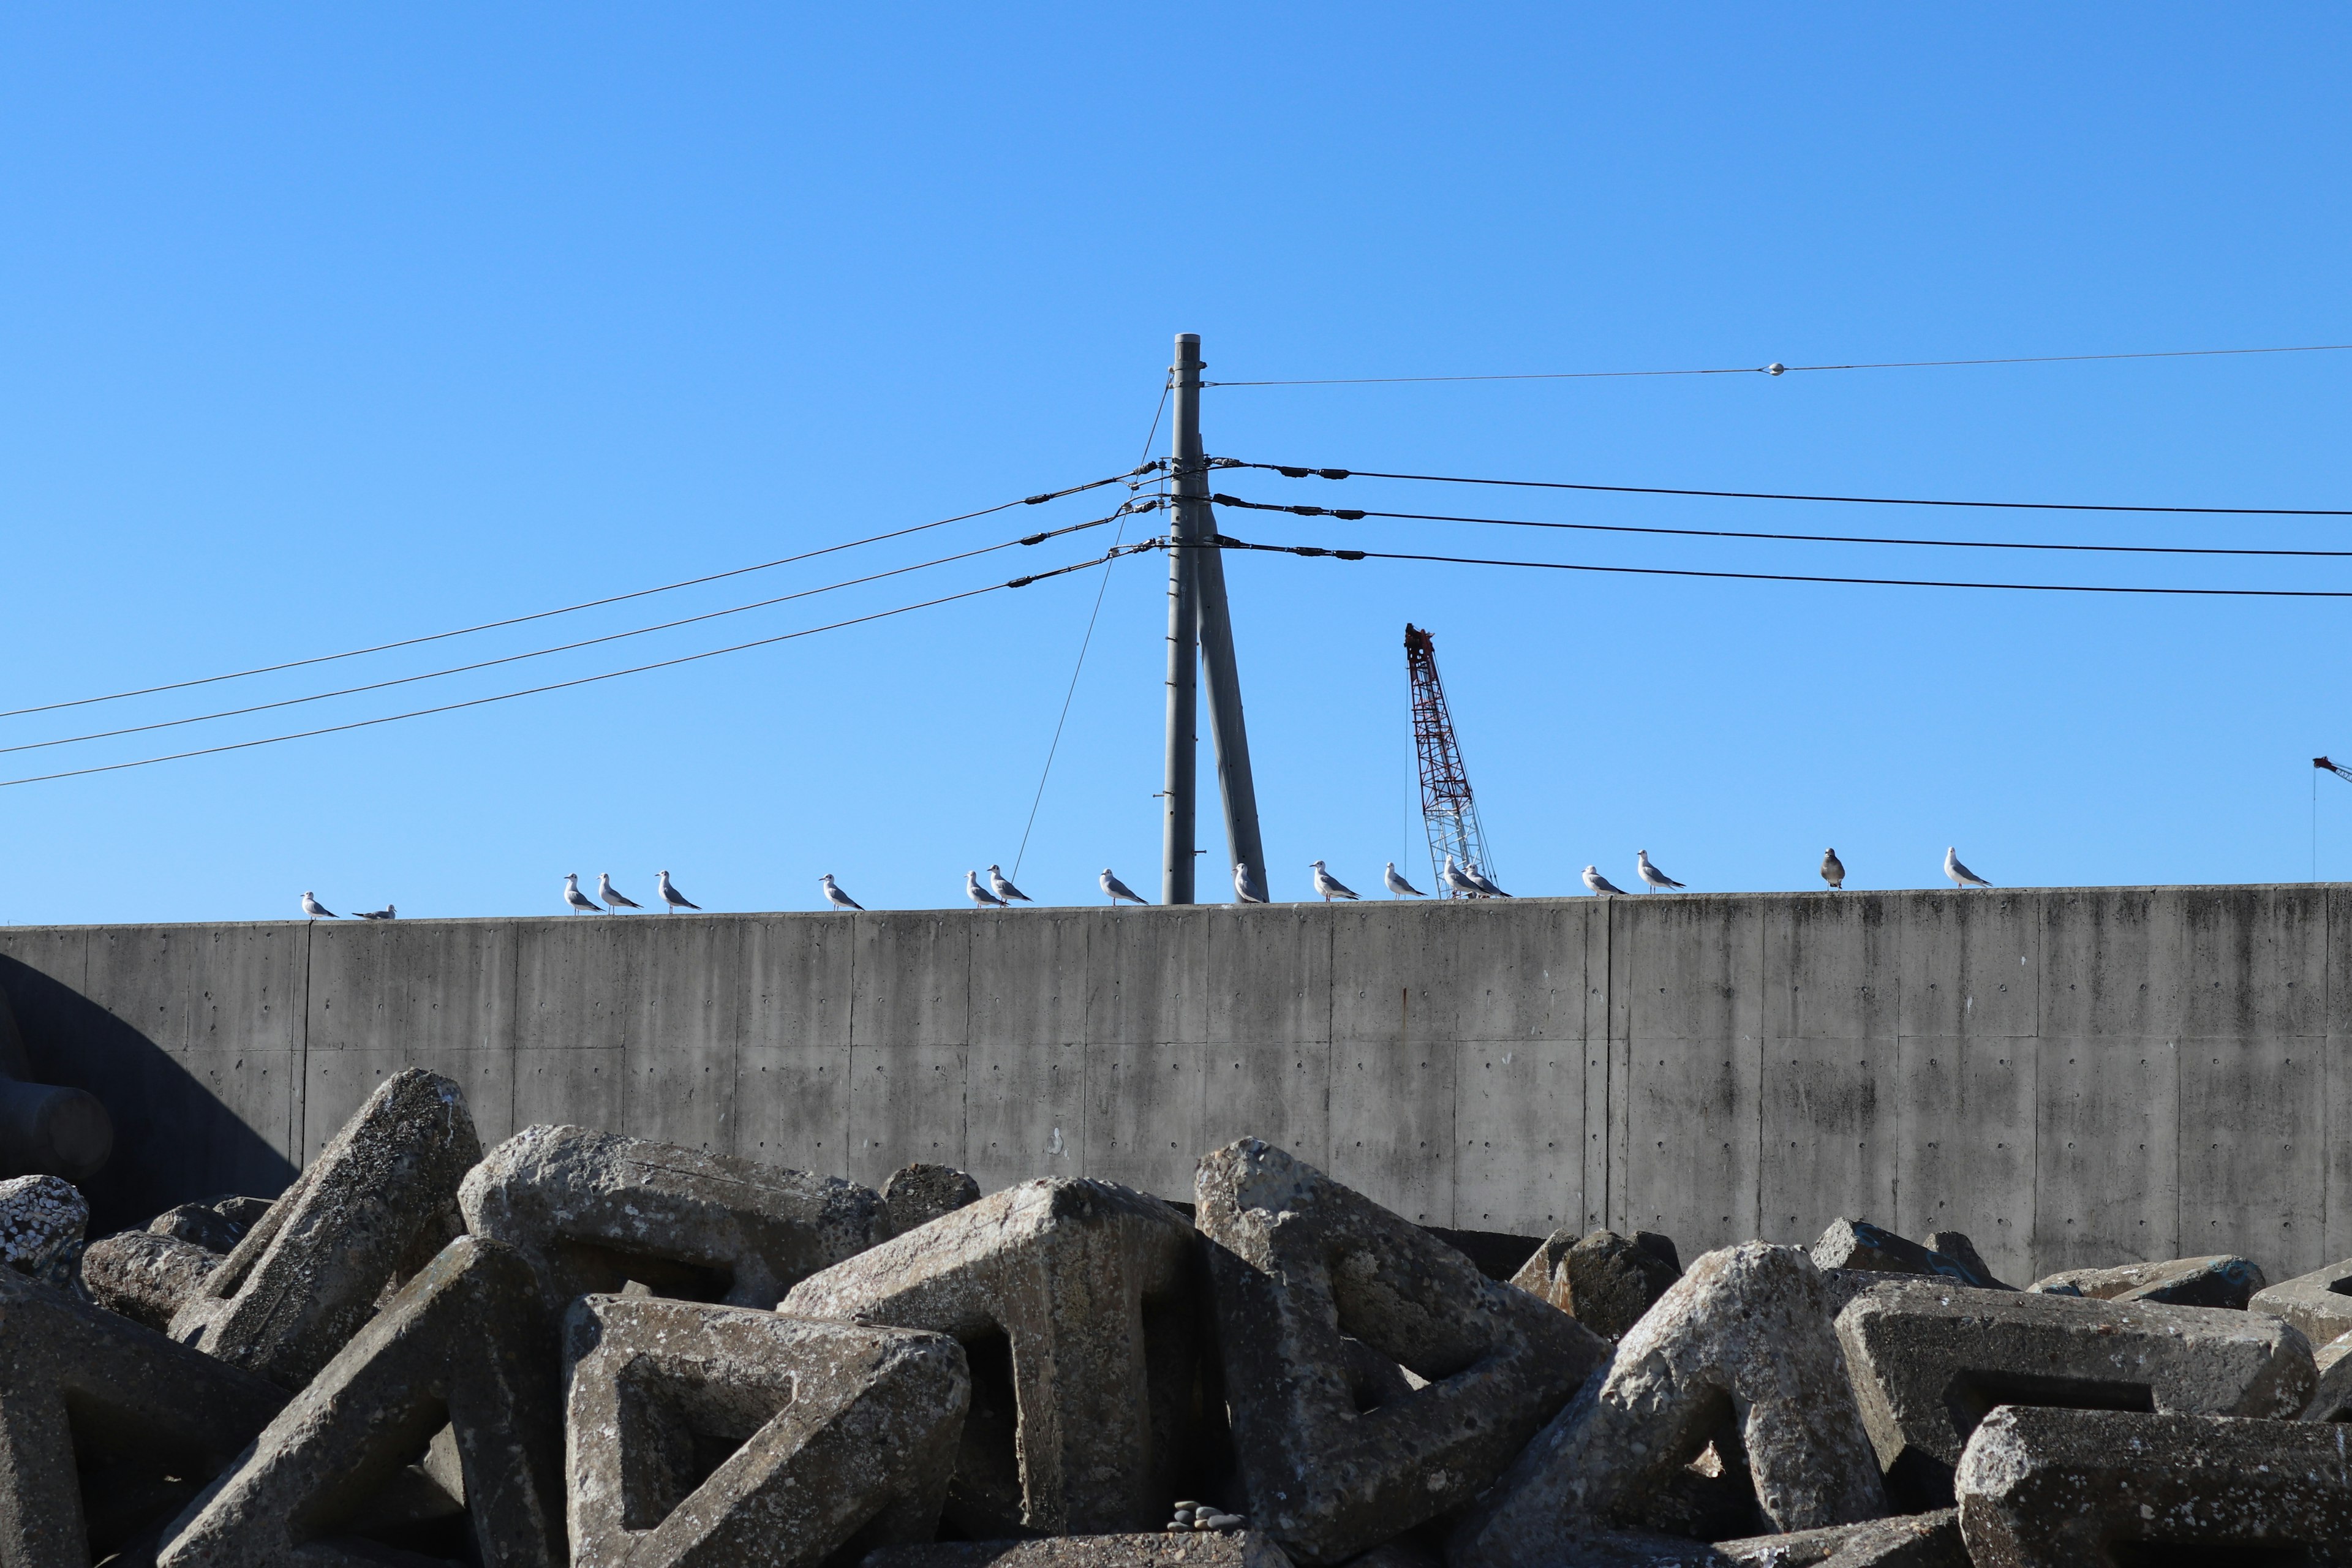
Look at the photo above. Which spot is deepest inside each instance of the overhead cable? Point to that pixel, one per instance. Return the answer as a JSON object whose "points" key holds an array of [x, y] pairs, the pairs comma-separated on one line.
{"points": [[569, 609]]}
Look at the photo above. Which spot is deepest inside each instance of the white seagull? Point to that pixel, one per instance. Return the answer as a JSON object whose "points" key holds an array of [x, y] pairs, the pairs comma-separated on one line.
{"points": [[613, 898], [574, 897], [834, 896], [1598, 883], [1330, 887], [1833, 870], [1118, 889], [1242, 893], [1456, 881], [1484, 883], [315, 910], [1963, 877], [389, 912], [1002, 886], [1396, 886], [1651, 876], [669, 895], [978, 894]]}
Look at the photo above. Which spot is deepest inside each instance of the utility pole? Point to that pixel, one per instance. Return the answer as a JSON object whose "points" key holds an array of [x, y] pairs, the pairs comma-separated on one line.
{"points": [[1196, 603]]}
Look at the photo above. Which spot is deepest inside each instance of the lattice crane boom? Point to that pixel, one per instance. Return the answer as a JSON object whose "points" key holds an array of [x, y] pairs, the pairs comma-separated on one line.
{"points": [[2338, 769], [1449, 812]]}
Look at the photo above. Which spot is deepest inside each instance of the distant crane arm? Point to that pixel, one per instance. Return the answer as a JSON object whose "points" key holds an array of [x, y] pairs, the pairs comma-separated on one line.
{"points": [[2337, 768]]}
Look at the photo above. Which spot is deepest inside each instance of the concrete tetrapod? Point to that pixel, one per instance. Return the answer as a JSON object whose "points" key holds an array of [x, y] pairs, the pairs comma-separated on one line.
{"points": [[1742, 1335], [2102, 1488], [1604, 1280], [593, 1211], [1086, 1289], [2319, 1302], [2221, 1280], [105, 1426], [1215, 1549], [919, 1193], [1298, 1263], [1931, 1360], [308, 1275], [842, 1437], [145, 1277], [1857, 1243], [464, 1344]]}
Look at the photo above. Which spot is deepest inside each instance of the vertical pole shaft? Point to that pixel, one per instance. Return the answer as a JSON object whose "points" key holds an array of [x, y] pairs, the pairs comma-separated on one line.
{"points": [[1226, 729], [1189, 485]]}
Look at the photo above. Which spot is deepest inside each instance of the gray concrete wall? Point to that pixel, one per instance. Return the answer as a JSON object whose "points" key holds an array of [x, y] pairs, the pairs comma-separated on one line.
{"points": [[2072, 1076]]}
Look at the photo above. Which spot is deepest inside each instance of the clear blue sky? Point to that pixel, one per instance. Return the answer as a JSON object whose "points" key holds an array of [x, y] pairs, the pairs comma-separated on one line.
{"points": [[331, 326]]}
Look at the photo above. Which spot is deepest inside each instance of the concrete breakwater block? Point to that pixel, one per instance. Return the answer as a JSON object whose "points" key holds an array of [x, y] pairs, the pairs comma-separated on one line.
{"points": [[2319, 1302], [2221, 1280], [1853, 1243], [1604, 1280], [1239, 1549]]}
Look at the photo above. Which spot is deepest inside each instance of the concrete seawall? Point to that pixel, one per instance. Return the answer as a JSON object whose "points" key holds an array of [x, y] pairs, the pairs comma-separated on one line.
{"points": [[2072, 1076]]}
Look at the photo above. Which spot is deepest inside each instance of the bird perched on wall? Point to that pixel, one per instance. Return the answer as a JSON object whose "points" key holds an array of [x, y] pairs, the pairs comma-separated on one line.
{"points": [[980, 895], [1833, 870], [834, 896], [572, 895], [1456, 881], [1328, 886], [1598, 883], [1963, 877], [613, 898], [1483, 882], [1396, 886], [315, 910], [1002, 886], [1651, 876], [1243, 892], [389, 912], [669, 895], [1118, 889]]}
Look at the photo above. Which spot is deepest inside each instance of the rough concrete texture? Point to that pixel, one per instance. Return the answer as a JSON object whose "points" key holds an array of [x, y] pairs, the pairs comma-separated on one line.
{"points": [[143, 1276], [835, 1435], [2087, 1489], [216, 1224], [593, 1211], [1742, 1334], [1604, 1280], [302, 1280], [1930, 1360], [1912, 1541], [2218, 1281], [2331, 1396], [105, 1426], [919, 1193], [1856, 1244], [464, 1345], [1297, 1260], [1955, 1246], [1220, 1549], [1090, 1287], [42, 1221], [2319, 1302]]}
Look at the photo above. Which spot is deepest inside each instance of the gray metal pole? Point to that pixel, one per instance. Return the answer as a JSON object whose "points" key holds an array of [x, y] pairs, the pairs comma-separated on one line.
{"points": [[1183, 622], [1227, 729]]}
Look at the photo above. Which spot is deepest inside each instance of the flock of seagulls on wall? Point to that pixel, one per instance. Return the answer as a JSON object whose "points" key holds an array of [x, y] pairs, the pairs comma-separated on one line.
{"points": [[1000, 893]]}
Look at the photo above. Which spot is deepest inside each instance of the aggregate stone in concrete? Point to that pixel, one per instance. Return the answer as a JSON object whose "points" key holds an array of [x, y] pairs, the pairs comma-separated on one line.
{"points": [[919, 1193], [42, 1221], [1743, 1332], [2221, 1280], [301, 1282], [1930, 1360], [2080, 1489], [106, 1428], [1604, 1280], [1161, 1549], [1857, 1243], [1297, 1262], [594, 1211], [465, 1345], [1086, 1288], [835, 1435], [2319, 1302], [143, 1276]]}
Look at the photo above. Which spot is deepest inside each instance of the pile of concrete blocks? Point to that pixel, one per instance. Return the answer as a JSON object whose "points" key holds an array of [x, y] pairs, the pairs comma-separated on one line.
{"points": [[581, 1347]]}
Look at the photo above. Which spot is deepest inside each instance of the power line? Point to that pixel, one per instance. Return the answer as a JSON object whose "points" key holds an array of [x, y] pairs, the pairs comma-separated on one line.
{"points": [[1351, 513], [566, 609], [562, 685], [1296, 472], [562, 647], [1776, 368]]}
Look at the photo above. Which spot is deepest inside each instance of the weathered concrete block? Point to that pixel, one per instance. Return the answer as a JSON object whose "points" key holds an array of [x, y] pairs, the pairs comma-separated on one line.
{"points": [[2221, 1280], [216, 1224], [2331, 1396], [42, 1221], [1297, 1261], [1604, 1280], [106, 1428], [2080, 1489], [1086, 1289], [1235, 1549], [919, 1193], [1955, 1246], [834, 1435], [593, 1211], [465, 1345], [302, 1281], [1911, 1541], [2319, 1302], [1859, 1244], [1743, 1331], [1929, 1361], [143, 1276]]}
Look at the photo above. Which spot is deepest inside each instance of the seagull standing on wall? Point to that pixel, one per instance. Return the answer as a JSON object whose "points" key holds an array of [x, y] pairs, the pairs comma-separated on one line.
{"points": [[669, 895], [1963, 877], [834, 896], [1651, 876], [980, 895], [1242, 893], [1002, 886], [613, 898], [1455, 881], [1484, 883], [1330, 887], [389, 912], [315, 910], [1396, 886], [574, 897], [1118, 889], [1833, 870], [1598, 883]]}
